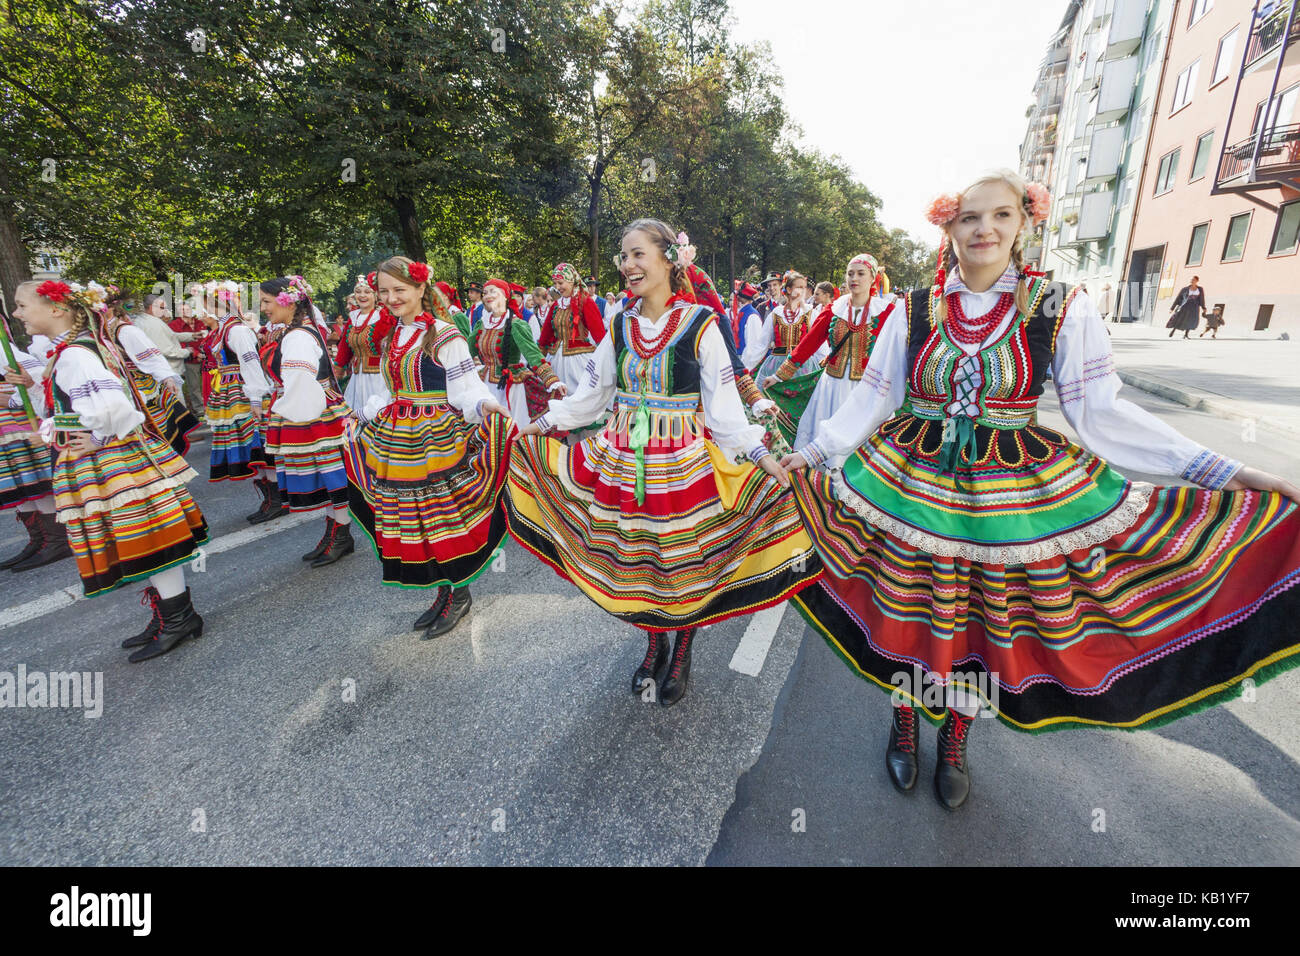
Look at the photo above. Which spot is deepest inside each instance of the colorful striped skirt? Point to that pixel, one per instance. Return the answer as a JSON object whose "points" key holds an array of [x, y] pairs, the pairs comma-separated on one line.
{"points": [[238, 452], [712, 540], [427, 488], [1130, 606], [127, 512], [169, 415], [25, 461], [309, 458]]}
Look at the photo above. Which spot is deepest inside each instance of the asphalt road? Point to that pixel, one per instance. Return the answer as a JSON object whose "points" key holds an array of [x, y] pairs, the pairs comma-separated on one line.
{"points": [[310, 725]]}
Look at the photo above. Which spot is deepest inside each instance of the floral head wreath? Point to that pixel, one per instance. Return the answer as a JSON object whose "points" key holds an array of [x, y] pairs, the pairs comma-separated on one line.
{"points": [[1036, 201], [681, 252], [225, 291], [298, 291], [92, 296]]}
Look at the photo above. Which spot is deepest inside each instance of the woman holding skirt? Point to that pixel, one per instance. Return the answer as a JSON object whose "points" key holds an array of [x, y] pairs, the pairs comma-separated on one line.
{"points": [[675, 515], [976, 557], [428, 469]]}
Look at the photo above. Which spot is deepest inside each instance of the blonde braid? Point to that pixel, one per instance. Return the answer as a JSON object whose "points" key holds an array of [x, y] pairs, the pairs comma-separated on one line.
{"points": [[1022, 282], [941, 308], [436, 304]]}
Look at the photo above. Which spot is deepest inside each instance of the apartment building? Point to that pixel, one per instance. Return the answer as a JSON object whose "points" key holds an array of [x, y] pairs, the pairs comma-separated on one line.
{"points": [[1220, 193]]}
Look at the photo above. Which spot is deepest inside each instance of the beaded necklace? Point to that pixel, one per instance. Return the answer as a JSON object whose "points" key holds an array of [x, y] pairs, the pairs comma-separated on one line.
{"points": [[974, 331], [649, 348]]}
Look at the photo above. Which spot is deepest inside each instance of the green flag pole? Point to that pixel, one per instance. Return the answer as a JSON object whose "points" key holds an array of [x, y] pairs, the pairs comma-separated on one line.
{"points": [[13, 363]]}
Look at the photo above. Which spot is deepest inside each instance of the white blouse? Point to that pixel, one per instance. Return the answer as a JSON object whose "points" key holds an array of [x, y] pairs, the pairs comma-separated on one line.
{"points": [[98, 396], [243, 342], [756, 346], [301, 398], [724, 413], [1087, 387], [466, 392], [35, 369], [144, 355]]}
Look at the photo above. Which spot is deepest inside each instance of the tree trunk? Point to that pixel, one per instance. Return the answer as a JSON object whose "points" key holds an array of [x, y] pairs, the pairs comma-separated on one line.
{"points": [[593, 218], [408, 223], [731, 257], [15, 264], [460, 271]]}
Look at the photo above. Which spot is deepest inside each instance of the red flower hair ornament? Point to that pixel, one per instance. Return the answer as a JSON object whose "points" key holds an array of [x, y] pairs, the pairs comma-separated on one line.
{"points": [[418, 271]]}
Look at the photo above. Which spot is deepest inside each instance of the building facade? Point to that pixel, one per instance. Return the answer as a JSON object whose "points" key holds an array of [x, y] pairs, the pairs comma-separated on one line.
{"points": [[1221, 196], [1098, 138]]}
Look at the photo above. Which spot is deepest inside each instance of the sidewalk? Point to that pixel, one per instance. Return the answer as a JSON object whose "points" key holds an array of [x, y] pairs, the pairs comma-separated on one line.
{"points": [[1248, 376]]}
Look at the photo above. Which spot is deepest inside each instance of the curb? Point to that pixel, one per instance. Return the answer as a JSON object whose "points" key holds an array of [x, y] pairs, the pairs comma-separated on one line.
{"points": [[1203, 401]]}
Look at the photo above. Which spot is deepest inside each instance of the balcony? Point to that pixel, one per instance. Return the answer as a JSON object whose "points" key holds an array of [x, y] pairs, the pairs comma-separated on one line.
{"points": [[1127, 25], [1118, 79], [1095, 213], [1104, 153], [1279, 158], [1266, 39]]}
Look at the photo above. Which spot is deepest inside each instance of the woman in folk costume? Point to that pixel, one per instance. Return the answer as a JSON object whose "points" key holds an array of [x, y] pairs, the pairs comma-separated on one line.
{"points": [[654, 519], [153, 376], [366, 378], [26, 464], [849, 326], [513, 366], [119, 488], [428, 470], [454, 309], [307, 417], [967, 543], [571, 328], [782, 329], [237, 386]]}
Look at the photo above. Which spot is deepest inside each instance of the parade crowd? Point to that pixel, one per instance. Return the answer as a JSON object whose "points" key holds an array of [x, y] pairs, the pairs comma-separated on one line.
{"points": [[874, 457]]}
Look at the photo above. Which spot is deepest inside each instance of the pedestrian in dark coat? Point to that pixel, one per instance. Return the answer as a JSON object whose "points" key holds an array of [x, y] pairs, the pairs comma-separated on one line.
{"points": [[1188, 307]]}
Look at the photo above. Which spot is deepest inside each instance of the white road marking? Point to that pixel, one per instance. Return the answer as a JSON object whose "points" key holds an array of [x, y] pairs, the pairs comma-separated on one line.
{"points": [[64, 597], [751, 653]]}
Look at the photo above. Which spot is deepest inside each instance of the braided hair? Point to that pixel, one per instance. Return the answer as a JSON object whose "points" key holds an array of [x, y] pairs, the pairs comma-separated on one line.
{"points": [[431, 300], [948, 260]]}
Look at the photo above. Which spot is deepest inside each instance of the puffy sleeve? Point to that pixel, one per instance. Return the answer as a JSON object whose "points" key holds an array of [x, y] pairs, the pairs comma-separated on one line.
{"points": [[303, 399], [880, 393], [757, 344], [243, 342], [35, 370], [592, 319], [531, 355], [723, 411], [465, 390], [97, 395], [1112, 428], [343, 354], [144, 354], [593, 395], [546, 340]]}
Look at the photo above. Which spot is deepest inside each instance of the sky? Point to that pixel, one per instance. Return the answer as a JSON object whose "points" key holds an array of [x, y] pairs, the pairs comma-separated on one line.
{"points": [[919, 97]]}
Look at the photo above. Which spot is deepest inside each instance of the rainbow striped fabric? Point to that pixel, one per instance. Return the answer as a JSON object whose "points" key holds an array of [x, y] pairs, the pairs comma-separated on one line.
{"points": [[24, 462], [127, 511]]}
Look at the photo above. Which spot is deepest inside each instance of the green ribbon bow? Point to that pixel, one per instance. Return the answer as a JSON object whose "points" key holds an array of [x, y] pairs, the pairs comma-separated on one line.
{"points": [[963, 439], [640, 438]]}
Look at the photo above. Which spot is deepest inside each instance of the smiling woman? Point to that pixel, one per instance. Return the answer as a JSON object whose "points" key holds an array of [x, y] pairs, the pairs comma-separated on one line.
{"points": [[653, 518], [959, 534]]}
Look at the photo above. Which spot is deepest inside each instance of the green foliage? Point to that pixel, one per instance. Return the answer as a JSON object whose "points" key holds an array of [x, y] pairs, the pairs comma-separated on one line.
{"points": [[264, 137]]}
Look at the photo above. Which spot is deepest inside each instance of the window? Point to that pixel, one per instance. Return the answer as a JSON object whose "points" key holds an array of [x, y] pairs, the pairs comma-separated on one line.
{"points": [[1168, 170], [1196, 248], [1223, 59], [1283, 108], [1234, 247], [1202, 158], [1286, 239], [1153, 50], [1185, 86], [1199, 9]]}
